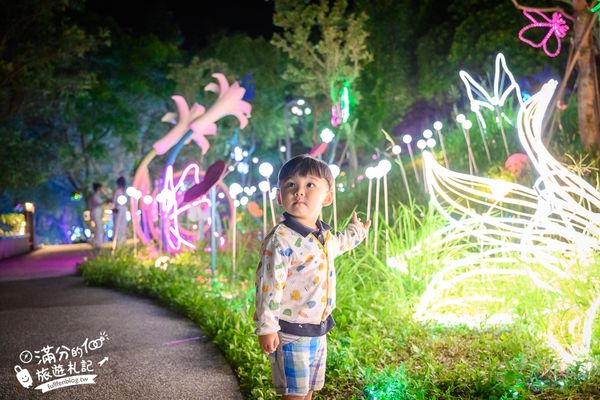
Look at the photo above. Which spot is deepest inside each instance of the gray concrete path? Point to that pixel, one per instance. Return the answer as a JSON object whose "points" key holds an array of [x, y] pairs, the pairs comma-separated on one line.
{"points": [[151, 352]]}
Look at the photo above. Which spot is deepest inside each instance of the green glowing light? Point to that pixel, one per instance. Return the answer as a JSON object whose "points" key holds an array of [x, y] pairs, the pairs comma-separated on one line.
{"points": [[76, 196], [345, 103]]}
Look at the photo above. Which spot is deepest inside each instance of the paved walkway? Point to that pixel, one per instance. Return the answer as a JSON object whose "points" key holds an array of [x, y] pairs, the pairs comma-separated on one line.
{"points": [[151, 352]]}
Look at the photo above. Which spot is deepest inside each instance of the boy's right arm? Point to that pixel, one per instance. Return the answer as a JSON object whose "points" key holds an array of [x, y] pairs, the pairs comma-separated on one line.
{"points": [[270, 279]]}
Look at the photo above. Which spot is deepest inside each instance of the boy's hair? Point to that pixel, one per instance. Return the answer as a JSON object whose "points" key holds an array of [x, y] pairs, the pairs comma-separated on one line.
{"points": [[121, 182], [304, 165], [96, 186]]}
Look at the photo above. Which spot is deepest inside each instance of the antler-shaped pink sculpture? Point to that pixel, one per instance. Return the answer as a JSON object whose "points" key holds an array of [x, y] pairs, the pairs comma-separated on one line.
{"points": [[203, 123]]}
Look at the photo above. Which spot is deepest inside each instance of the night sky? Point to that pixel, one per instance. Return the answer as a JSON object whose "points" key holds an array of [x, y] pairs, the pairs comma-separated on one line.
{"points": [[196, 20]]}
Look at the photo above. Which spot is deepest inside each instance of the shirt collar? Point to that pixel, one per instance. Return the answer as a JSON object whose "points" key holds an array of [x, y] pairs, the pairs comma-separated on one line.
{"points": [[302, 229]]}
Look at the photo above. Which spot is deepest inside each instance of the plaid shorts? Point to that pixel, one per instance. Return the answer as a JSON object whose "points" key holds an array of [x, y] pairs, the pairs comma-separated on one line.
{"points": [[298, 364]]}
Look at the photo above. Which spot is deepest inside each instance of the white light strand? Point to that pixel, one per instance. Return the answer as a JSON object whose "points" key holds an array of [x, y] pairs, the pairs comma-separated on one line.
{"points": [[546, 235], [497, 99]]}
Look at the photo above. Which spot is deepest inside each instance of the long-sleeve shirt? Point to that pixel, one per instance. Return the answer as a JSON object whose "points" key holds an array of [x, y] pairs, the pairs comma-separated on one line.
{"points": [[295, 279]]}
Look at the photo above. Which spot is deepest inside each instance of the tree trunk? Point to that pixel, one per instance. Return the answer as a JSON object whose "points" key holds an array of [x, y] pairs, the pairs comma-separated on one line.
{"points": [[587, 106]]}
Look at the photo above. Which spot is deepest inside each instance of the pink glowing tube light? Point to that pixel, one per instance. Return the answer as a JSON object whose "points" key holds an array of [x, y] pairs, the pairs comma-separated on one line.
{"points": [[556, 30]]}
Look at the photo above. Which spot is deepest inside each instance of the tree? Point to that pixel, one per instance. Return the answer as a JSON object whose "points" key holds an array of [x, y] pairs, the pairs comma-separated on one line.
{"points": [[118, 117], [83, 99], [327, 48], [257, 59], [387, 86], [39, 48], [38, 43]]}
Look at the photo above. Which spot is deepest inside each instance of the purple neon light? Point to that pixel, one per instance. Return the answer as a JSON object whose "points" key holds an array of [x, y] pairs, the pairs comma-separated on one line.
{"points": [[173, 205], [336, 115]]}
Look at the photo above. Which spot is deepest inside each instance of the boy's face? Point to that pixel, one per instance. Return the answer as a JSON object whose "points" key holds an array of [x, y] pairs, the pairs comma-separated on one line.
{"points": [[304, 196]]}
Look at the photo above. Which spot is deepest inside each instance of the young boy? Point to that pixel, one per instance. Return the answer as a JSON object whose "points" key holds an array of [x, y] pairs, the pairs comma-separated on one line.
{"points": [[295, 279]]}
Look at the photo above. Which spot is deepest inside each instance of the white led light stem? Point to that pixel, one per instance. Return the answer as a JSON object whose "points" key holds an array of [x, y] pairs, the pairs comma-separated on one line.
{"points": [[386, 167], [437, 127], [465, 126], [412, 158], [335, 171], [273, 220], [483, 133], [378, 175], [264, 201], [233, 225], [404, 178], [501, 126]]}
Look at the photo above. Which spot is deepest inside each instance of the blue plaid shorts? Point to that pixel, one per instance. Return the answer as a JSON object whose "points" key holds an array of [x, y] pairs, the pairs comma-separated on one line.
{"points": [[298, 364]]}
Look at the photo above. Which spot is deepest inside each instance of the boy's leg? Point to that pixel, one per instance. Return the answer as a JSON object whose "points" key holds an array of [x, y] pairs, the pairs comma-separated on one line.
{"points": [[290, 366], [290, 397], [299, 363]]}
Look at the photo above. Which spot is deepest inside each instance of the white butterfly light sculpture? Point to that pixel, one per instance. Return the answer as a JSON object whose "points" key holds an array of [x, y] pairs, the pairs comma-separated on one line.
{"points": [[504, 84], [504, 238], [479, 97]]}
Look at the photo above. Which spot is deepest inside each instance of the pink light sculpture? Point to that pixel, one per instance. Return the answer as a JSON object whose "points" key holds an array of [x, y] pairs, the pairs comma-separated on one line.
{"points": [[203, 123], [162, 220], [556, 28]]}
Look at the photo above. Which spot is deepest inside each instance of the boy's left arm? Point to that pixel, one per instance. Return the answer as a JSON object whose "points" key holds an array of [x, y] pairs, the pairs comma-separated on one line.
{"points": [[352, 235]]}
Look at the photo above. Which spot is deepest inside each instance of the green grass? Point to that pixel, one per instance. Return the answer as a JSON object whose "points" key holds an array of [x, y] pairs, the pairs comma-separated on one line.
{"points": [[377, 350]]}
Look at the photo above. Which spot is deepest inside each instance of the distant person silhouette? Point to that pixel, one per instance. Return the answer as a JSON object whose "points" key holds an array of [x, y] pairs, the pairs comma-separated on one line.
{"points": [[120, 213], [97, 211]]}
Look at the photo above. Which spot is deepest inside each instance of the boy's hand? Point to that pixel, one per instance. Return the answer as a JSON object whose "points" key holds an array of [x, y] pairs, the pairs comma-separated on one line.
{"points": [[357, 221], [268, 343]]}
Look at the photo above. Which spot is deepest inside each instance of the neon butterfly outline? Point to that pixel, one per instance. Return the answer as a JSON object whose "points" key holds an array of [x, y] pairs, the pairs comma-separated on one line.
{"points": [[498, 99], [557, 28]]}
